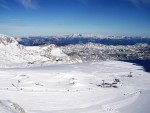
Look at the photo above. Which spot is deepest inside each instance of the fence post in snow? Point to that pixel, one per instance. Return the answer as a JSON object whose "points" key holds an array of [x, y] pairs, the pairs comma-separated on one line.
{"points": [[103, 82]]}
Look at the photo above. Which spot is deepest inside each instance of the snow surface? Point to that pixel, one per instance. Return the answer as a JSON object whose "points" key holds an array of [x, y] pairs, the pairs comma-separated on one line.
{"points": [[141, 105], [10, 107], [29, 79], [75, 88], [57, 52]]}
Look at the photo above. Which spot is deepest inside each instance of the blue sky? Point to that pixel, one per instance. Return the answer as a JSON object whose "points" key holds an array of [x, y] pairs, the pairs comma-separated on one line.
{"points": [[61, 17]]}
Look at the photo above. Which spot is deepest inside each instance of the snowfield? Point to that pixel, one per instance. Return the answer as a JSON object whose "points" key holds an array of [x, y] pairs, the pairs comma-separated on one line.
{"points": [[92, 87], [44, 79]]}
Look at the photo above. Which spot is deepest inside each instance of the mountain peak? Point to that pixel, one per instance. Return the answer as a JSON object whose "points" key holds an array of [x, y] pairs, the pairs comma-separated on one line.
{"points": [[6, 40]]}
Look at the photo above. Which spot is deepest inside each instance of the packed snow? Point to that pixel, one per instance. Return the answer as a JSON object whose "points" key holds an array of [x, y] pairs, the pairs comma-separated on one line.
{"points": [[76, 88]]}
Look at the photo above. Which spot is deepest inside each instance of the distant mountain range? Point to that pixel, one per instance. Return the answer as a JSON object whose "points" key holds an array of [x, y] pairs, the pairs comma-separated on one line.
{"points": [[82, 39], [42, 52], [96, 47], [101, 52]]}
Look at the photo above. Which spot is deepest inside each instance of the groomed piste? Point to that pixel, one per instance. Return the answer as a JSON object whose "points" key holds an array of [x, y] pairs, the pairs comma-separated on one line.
{"points": [[93, 87]]}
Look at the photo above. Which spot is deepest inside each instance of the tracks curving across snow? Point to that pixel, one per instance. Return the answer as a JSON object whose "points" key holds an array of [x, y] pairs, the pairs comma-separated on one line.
{"points": [[74, 88]]}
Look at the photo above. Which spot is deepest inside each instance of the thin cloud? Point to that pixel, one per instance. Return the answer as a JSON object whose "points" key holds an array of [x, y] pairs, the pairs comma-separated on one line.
{"points": [[140, 3], [30, 4], [3, 4]]}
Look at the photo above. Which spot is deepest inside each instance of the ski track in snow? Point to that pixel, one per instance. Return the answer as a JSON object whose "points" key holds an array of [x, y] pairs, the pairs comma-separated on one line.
{"points": [[73, 88]]}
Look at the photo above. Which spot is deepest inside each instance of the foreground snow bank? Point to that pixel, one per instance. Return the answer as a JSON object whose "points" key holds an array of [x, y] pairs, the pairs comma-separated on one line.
{"points": [[10, 107]]}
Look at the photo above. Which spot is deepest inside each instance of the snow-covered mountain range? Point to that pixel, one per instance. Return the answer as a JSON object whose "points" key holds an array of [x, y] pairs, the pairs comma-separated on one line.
{"points": [[12, 54], [88, 87], [100, 52], [82, 39]]}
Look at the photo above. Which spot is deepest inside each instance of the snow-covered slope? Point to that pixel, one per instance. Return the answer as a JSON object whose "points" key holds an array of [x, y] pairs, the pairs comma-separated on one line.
{"points": [[57, 52], [89, 87], [7, 40], [77, 88], [10, 107], [12, 54]]}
